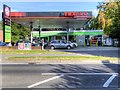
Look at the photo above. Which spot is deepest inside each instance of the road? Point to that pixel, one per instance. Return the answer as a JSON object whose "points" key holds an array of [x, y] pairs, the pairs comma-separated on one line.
{"points": [[98, 51], [60, 76], [108, 53]]}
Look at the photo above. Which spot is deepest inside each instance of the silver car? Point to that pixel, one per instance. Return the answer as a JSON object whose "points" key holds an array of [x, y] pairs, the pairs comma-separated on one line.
{"points": [[60, 44], [73, 43]]}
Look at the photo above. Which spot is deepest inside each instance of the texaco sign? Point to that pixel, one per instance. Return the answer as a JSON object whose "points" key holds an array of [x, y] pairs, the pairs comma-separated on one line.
{"points": [[6, 12]]}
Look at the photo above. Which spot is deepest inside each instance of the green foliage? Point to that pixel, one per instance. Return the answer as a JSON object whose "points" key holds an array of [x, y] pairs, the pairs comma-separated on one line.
{"points": [[115, 27], [112, 17], [84, 44], [90, 43], [1, 25], [19, 32], [108, 19], [78, 43], [97, 44], [102, 44], [93, 24]]}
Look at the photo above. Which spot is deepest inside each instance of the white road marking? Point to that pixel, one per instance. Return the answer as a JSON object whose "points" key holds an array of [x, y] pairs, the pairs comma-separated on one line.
{"points": [[47, 80], [79, 73], [107, 83]]}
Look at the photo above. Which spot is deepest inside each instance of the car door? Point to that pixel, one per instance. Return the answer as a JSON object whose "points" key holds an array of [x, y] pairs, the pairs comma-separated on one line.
{"points": [[63, 44], [58, 45]]}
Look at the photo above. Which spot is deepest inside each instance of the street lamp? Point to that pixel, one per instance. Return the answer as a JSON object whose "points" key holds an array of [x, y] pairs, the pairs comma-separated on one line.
{"points": [[39, 28], [68, 31], [31, 29]]}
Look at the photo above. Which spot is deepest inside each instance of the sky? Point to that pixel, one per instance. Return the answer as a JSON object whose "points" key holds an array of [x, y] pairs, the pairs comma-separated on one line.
{"points": [[50, 6]]}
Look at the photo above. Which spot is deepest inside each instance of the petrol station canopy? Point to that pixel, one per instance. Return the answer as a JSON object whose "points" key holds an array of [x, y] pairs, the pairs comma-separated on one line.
{"points": [[69, 19], [57, 24]]}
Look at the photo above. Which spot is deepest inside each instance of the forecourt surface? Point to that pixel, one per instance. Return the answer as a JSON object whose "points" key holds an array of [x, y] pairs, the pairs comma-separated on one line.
{"points": [[60, 76]]}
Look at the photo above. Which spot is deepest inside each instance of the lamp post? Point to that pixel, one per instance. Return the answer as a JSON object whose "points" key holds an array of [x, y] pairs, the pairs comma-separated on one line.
{"points": [[68, 31], [31, 29], [39, 28]]}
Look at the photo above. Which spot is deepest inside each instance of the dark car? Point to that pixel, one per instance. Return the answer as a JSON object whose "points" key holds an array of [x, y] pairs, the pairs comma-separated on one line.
{"points": [[3, 43], [21, 41]]}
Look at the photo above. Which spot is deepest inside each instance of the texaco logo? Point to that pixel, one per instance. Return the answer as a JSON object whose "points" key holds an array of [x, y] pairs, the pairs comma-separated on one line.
{"points": [[7, 11]]}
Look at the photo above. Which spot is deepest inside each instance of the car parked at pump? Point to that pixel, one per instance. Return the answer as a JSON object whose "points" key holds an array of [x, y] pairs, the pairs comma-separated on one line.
{"points": [[60, 44], [73, 44], [39, 43], [3, 43]]}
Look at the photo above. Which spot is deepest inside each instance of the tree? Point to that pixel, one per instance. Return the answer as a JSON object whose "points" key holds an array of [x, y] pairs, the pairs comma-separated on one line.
{"points": [[19, 32], [15, 32], [115, 26], [93, 24], [109, 18]]}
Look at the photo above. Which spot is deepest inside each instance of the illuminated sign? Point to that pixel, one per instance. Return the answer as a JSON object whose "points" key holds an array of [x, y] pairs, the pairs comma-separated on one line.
{"points": [[6, 11], [6, 24], [7, 33], [75, 14], [18, 14]]}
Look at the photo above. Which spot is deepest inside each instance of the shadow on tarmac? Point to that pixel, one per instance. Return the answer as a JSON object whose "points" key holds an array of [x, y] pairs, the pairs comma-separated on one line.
{"points": [[107, 53], [85, 82]]}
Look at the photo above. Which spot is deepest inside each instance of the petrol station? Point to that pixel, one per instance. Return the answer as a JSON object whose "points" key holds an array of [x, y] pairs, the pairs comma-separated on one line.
{"points": [[57, 25], [68, 25]]}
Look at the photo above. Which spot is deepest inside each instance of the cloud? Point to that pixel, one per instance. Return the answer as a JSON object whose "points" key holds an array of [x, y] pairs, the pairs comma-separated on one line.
{"points": [[1, 11], [95, 12]]}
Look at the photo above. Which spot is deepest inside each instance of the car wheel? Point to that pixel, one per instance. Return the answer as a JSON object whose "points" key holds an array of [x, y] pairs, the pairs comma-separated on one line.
{"points": [[74, 45], [52, 47], [68, 47]]}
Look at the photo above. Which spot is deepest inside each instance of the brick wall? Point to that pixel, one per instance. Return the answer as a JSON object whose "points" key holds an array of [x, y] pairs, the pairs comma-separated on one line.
{"points": [[1, 35]]}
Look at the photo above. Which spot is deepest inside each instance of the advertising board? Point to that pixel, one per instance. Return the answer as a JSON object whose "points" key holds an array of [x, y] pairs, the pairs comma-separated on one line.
{"points": [[24, 46]]}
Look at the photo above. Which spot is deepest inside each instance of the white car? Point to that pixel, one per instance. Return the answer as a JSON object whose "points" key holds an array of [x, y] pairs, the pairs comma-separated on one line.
{"points": [[60, 44]]}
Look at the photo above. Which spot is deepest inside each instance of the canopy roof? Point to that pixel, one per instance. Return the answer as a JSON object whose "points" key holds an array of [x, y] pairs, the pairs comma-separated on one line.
{"points": [[52, 19]]}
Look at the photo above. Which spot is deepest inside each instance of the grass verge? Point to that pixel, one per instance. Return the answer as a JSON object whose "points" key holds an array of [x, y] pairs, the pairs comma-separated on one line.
{"points": [[31, 52], [63, 58]]}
